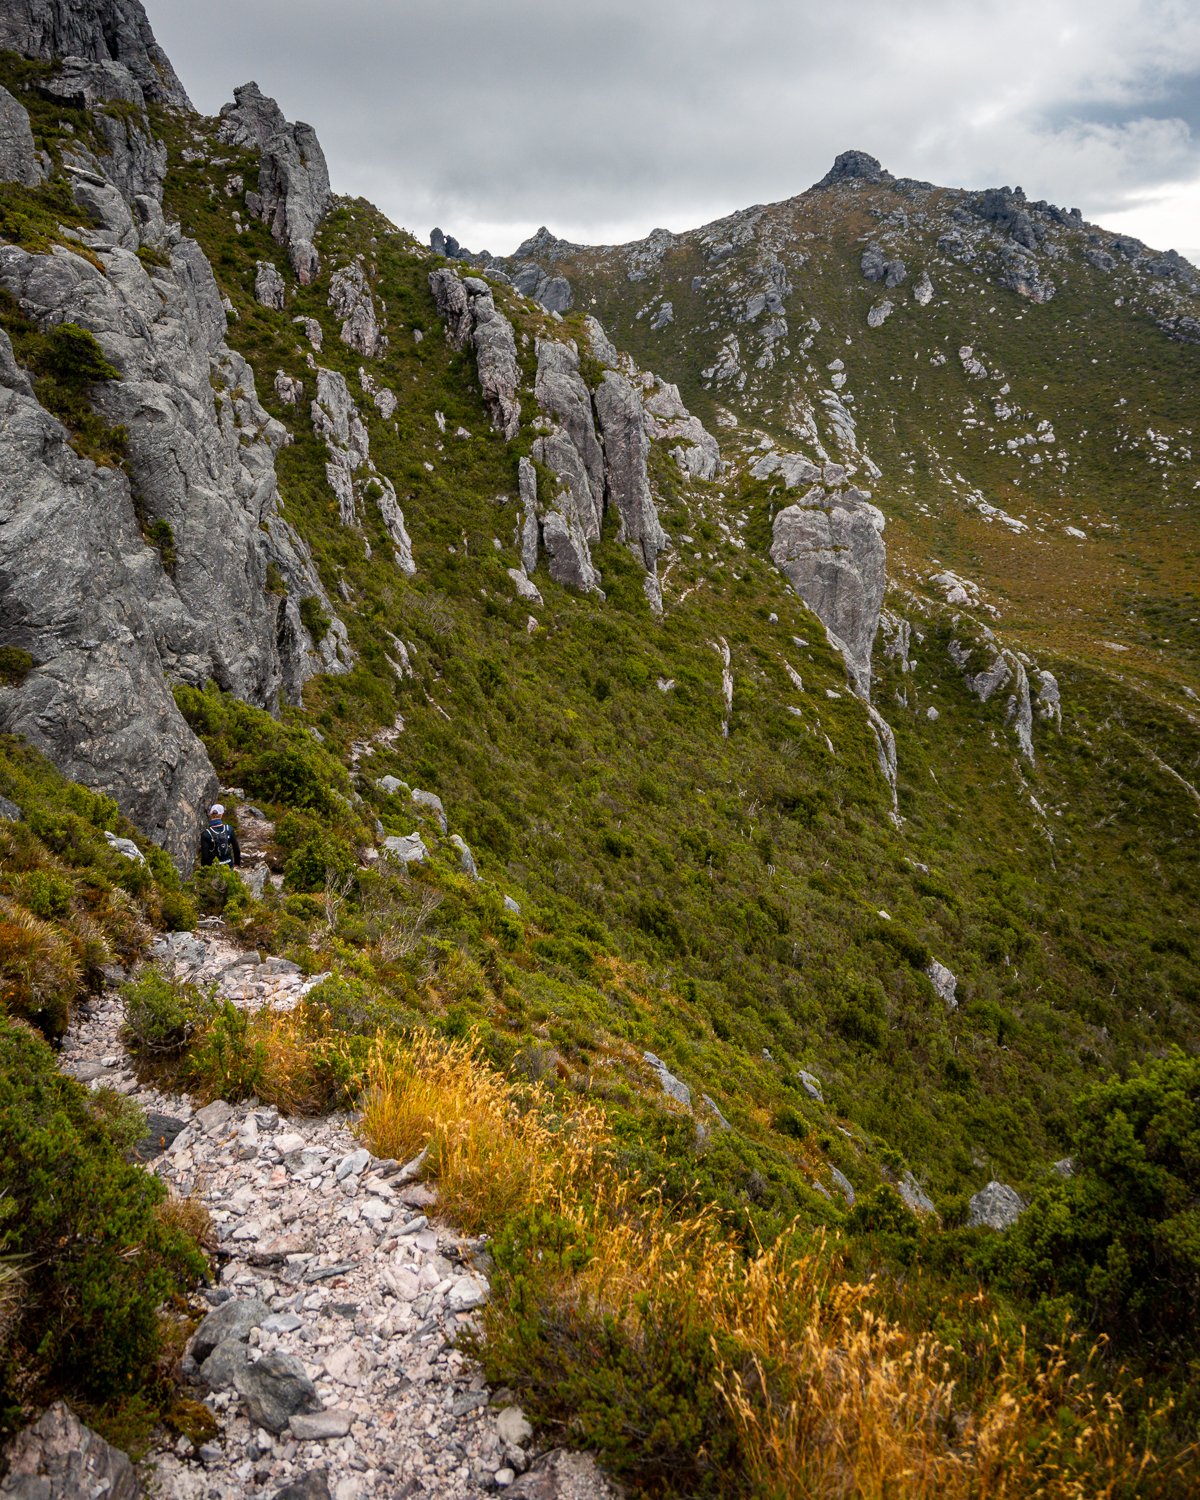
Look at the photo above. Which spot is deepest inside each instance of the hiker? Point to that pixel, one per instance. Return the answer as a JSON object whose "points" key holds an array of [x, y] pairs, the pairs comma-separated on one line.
{"points": [[218, 842]]}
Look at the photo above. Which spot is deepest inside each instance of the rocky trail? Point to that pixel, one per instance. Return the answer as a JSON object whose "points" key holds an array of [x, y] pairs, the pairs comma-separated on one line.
{"points": [[328, 1352]]}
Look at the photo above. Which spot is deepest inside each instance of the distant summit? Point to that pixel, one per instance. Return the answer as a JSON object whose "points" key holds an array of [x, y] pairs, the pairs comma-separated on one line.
{"points": [[853, 166]]}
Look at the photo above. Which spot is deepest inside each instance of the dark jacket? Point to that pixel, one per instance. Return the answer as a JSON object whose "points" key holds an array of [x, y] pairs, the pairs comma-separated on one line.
{"points": [[211, 839]]}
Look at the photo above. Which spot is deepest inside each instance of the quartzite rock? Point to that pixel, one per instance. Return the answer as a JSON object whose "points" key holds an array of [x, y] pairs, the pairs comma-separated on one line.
{"points": [[467, 308], [626, 450]]}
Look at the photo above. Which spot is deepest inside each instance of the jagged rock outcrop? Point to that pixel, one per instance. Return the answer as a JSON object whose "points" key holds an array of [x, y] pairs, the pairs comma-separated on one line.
{"points": [[350, 470], [469, 311], [572, 447], [98, 30], [77, 584], [19, 160], [552, 292], [293, 180], [351, 300], [830, 547]]}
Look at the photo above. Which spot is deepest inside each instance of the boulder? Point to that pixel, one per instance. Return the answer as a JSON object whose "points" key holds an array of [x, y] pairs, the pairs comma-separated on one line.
{"points": [[944, 983], [465, 858], [232, 1320], [58, 1458], [914, 1195], [268, 286], [996, 1206], [408, 849], [673, 1087], [811, 1086], [275, 1389]]}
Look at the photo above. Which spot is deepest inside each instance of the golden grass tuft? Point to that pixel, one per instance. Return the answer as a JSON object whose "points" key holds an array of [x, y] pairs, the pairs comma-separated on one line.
{"points": [[493, 1147]]}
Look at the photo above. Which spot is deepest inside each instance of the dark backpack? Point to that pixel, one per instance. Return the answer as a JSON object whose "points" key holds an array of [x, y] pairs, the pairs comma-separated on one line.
{"points": [[220, 841]]}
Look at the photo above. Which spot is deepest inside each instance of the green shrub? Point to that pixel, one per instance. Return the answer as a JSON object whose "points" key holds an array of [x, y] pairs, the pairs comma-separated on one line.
{"points": [[15, 665], [98, 1260], [314, 618], [1121, 1237], [161, 1015]]}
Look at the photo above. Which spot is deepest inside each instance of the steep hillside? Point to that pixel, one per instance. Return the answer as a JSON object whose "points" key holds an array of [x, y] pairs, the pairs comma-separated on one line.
{"points": [[751, 689]]}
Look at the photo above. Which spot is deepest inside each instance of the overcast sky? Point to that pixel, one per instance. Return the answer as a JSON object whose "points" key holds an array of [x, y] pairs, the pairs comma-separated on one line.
{"points": [[606, 118]]}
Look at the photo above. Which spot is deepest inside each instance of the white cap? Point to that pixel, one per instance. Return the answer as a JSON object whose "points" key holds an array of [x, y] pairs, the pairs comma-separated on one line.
{"points": [[216, 810]]}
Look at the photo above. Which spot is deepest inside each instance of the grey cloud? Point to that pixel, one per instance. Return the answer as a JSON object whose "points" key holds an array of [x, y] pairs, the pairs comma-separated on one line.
{"points": [[504, 116]]}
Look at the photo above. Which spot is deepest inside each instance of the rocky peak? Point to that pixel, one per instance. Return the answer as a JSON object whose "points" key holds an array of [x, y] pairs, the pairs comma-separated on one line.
{"points": [[854, 166], [98, 31]]}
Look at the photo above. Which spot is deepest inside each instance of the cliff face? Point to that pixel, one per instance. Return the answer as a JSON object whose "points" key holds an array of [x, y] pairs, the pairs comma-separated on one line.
{"points": [[108, 619], [97, 30]]}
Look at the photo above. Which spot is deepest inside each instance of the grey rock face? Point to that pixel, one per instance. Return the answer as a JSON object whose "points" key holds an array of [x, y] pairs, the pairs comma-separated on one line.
{"points": [[432, 803], [627, 484], [18, 157], [74, 573], [408, 849], [58, 1458], [553, 292], [568, 555], [351, 299], [99, 30], [830, 548], [268, 286], [453, 305], [495, 358], [843, 1185], [923, 290], [996, 1206], [465, 858], [873, 263], [811, 1085], [698, 453], [880, 313], [102, 617], [293, 180], [350, 471]]}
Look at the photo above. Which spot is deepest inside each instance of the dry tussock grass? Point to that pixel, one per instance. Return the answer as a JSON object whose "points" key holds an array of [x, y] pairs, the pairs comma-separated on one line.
{"points": [[829, 1399]]}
